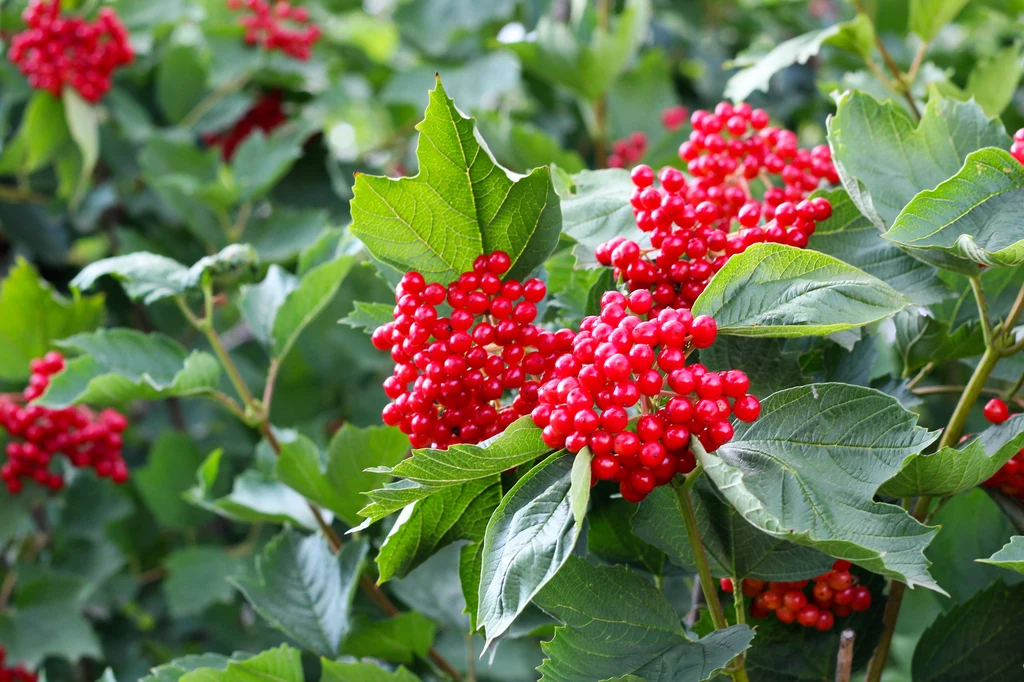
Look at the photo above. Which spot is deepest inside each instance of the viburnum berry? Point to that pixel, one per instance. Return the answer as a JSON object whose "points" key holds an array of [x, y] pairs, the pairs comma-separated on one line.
{"points": [[463, 366], [619, 362], [57, 50], [632, 148], [1017, 148], [277, 26], [38, 434], [1010, 477], [266, 115], [14, 673], [996, 411], [674, 117], [832, 594]]}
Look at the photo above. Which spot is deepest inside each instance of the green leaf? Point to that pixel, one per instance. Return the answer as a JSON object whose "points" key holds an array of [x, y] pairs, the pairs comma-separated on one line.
{"points": [[259, 303], [301, 306], [337, 479], [169, 472], [282, 235], [975, 215], [481, 83], [400, 639], [362, 672], [928, 17], [180, 81], [305, 591], [610, 537], [33, 316], [369, 316], [807, 471], [856, 35], [735, 548], [522, 146], [262, 160], [597, 209], [45, 621], [117, 365], [616, 623], [173, 671], [977, 640], [283, 664], [993, 81], [429, 471], [782, 291], [460, 205], [955, 470], [853, 239], [84, 127], [769, 366], [44, 130], [904, 157], [529, 538], [457, 513], [198, 578], [1010, 557], [921, 339], [433, 26]]}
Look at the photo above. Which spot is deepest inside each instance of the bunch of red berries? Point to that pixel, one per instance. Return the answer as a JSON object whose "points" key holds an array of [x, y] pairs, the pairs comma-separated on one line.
{"points": [[691, 222], [278, 27], [57, 50], [1010, 478], [1017, 148], [617, 362], [85, 438], [673, 118], [833, 594], [628, 150], [15, 673], [462, 366], [266, 115]]}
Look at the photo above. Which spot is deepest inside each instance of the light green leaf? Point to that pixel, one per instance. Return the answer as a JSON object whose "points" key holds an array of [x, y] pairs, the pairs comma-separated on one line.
{"points": [[301, 306], [596, 209], [369, 316], [180, 80], [529, 538], [169, 472], [198, 578], [173, 671], [807, 471], [400, 639], [461, 204], [259, 303], [955, 470], [84, 127], [123, 364], [616, 623], [43, 132], [305, 591], [334, 671], [928, 17], [33, 316], [480, 84], [782, 291], [283, 664], [993, 81], [521, 146], [262, 160], [1010, 557]]}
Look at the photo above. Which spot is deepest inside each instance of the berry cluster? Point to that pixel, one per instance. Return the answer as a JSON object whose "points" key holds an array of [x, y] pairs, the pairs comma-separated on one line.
{"points": [[57, 50], [631, 149], [278, 27], [266, 115], [1017, 148], [14, 673], [617, 362], [1010, 478], [673, 118], [86, 439], [462, 366], [833, 594], [691, 221]]}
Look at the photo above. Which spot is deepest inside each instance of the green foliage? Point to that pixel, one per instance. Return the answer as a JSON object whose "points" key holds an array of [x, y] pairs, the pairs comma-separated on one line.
{"points": [[1010, 557]]}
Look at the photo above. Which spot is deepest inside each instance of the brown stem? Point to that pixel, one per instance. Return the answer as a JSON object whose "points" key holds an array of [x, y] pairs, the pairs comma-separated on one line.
{"points": [[901, 85], [601, 103], [844, 662]]}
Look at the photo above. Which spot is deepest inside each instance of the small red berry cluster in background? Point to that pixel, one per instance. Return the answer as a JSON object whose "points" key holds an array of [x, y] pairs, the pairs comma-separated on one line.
{"points": [[1010, 478], [619, 361], [1017, 148], [631, 149], [673, 118], [85, 438], [14, 673], [462, 366], [278, 27], [691, 222], [833, 594], [266, 115], [57, 50]]}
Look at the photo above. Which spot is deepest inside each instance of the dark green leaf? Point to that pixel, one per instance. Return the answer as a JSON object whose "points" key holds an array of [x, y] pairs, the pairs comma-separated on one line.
{"points": [[921, 339], [262, 160], [198, 578], [769, 366], [301, 306], [400, 639], [369, 316], [170, 471], [612, 539]]}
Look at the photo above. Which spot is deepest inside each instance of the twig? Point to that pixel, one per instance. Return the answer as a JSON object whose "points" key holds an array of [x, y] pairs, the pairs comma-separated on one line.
{"points": [[915, 65], [900, 85], [920, 375], [7, 588], [207, 104], [601, 103], [844, 661]]}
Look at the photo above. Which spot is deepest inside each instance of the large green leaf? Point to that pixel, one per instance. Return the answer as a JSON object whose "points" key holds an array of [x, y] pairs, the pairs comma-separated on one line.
{"points": [[283, 664], [595, 209], [123, 364], [461, 204], [928, 17], [977, 640], [1010, 557], [301, 306], [955, 470], [259, 303], [434, 25], [735, 548], [429, 471], [782, 291], [305, 590], [993, 81], [807, 471], [45, 621], [33, 316], [170, 470], [334, 671], [610, 537], [400, 639], [616, 623], [198, 578], [921, 339], [975, 215], [529, 538], [903, 158], [337, 479]]}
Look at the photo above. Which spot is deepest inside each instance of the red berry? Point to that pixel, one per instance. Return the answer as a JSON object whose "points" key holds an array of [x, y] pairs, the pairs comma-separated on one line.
{"points": [[996, 411], [808, 616]]}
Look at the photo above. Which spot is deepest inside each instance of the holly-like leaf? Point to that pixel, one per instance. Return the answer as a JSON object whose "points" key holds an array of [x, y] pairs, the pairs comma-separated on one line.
{"points": [[400, 639], [123, 364], [333, 671], [782, 291], [616, 623], [976, 640], [735, 548], [1010, 557], [904, 157], [283, 664], [33, 316], [955, 470], [369, 316], [596, 208], [807, 471], [198, 578], [337, 478], [461, 204], [170, 471], [305, 590], [976, 215], [928, 17]]}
